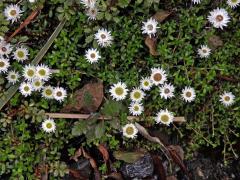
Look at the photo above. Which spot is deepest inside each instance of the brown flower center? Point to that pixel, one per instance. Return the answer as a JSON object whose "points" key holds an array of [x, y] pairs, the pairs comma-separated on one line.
{"points": [[188, 94], [157, 77], [166, 91], [4, 49], [227, 98], [103, 36], [93, 55], [219, 18], [13, 12], [150, 27], [2, 64], [59, 93]]}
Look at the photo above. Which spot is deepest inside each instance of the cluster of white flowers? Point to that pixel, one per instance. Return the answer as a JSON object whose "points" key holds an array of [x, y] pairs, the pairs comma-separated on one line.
{"points": [[35, 77], [158, 78], [90, 8]]}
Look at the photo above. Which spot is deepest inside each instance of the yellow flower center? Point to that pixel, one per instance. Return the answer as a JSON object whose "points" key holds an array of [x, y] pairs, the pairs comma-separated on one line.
{"points": [[130, 130], [48, 92], [26, 88], [119, 91], [165, 118], [30, 72], [2, 64], [20, 54], [37, 83], [42, 72], [49, 125], [136, 108], [137, 95], [146, 83], [13, 76]]}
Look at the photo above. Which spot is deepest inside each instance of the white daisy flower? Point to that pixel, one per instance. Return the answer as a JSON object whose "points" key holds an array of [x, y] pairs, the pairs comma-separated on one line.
{"points": [[29, 72], [136, 108], [158, 76], [167, 91], [47, 92], [21, 54], [104, 37], [37, 84], [92, 13], [26, 89], [188, 94], [219, 18], [164, 117], [49, 125], [13, 76], [119, 91], [92, 55], [146, 84], [5, 48], [88, 3], [59, 94], [227, 98], [32, 1], [12, 12], [130, 131], [4, 65], [150, 27], [137, 95], [43, 72], [233, 3], [196, 1], [204, 51]]}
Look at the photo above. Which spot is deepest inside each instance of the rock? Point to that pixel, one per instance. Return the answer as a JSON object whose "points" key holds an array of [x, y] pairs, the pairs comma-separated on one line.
{"points": [[140, 169], [86, 100]]}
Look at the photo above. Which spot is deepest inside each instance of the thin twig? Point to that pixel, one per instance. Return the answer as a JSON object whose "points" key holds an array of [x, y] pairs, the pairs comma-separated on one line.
{"points": [[86, 116]]}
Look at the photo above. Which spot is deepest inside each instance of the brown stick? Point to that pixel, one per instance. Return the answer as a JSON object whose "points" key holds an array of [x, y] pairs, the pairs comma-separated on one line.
{"points": [[24, 24], [86, 116]]}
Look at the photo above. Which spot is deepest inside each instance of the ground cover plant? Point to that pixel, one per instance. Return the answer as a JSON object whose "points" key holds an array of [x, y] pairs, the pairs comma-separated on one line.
{"points": [[91, 88]]}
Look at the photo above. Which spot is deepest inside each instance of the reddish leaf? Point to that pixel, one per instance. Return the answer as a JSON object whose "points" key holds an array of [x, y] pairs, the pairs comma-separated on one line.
{"points": [[177, 159], [77, 174], [104, 152], [25, 23], [171, 178], [158, 167]]}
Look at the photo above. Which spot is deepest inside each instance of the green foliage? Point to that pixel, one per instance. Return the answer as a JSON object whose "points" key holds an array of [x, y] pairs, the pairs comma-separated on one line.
{"points": [[24, 146]]}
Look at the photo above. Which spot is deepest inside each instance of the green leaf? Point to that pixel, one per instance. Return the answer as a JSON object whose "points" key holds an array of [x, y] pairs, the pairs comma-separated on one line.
{"points": [[79, 128], [13, 89], [100, 129], [112, 108]]}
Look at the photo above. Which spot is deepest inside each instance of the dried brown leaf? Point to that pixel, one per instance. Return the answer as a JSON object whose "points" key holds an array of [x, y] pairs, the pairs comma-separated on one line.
{"points": [[129, 157], [151, 44], [158, 167], [116, 176], [104, 152], [161, 15]]}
